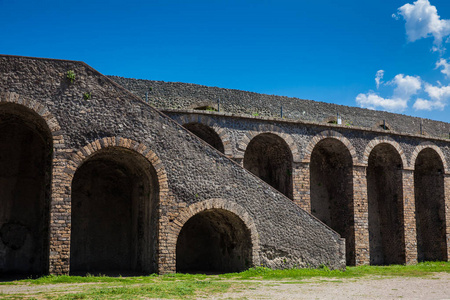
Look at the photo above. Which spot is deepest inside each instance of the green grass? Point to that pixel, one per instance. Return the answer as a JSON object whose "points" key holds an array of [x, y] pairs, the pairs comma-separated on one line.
{"points": [[199, 285], [119, 288], [179, 289], [421, 269], [54, 279]]}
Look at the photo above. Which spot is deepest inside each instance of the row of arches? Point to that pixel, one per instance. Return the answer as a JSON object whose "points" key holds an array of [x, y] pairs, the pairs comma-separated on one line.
{"points": [[115, 194], [114, 218], [332, 200], [331, 173], [217, 137]]}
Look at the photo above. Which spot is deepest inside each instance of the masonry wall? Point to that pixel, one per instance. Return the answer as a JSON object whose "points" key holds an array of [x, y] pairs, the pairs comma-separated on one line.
{"points": [[174, 178], [304, 139], [191, 176], [177, 95]]}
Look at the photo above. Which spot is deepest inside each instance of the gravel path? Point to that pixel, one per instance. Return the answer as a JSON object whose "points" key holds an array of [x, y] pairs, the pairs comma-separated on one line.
{"points": [[434, 287]]}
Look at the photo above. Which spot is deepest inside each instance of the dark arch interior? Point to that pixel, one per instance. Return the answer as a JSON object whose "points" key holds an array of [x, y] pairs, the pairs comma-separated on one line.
{"points": [[206, 107], [25, 179], [216, 241], [331, 174], [269, 157], [385, 195], [114, 214], [430, 206], [207, 134]]}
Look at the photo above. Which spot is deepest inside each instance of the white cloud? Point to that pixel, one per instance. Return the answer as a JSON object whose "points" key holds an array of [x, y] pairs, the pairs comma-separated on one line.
{"points": [[406, 86], [422, 21], [422, 104], [378, 77], [371, 100], [439, 96], [445, 67], [438, 93]]}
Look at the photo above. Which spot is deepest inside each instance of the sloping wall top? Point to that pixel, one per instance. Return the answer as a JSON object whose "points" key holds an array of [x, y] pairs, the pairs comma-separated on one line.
{"points": [[176, 95]]}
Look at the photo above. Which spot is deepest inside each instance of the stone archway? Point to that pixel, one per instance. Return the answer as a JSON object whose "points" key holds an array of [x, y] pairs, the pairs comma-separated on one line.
{"points": [[385, 197], [269, 157], [232, 209], [212, 129], [26, 146], [115, 194], [429, 192], [207, 134], [214, 240], [331, 180]]}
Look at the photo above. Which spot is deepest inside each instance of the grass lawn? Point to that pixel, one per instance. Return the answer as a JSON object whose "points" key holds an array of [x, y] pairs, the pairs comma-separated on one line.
{"points": [[189, 285]]}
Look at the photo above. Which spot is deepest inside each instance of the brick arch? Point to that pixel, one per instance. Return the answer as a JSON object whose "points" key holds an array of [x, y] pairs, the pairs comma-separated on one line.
{"points": [[332, 135], [41, 110], [83, 154], [243, 143], [383, 140], [208, 121], [425, 145], [89, 150], [58, 214], [216, 203]]}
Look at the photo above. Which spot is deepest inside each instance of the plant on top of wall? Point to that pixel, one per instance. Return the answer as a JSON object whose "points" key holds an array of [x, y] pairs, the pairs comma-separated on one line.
{"points": [[87, 96], [71, 75]]}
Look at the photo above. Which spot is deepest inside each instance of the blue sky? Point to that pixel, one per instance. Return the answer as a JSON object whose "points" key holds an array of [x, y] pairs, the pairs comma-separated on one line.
{"points": [[324, 50]]}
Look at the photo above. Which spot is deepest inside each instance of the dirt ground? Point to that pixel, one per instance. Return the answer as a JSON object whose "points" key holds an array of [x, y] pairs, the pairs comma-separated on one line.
{"points": [[432, 287]]}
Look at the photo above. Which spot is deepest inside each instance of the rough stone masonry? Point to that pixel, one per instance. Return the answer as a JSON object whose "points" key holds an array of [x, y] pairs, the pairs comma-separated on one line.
{"points": [[95, 180]]}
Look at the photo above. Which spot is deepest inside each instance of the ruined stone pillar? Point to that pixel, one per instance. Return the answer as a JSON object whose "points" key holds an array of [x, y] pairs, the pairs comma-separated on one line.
{"points": [[409, 217], [447, 213], [301, 185], [361, 216], [60, 217]]}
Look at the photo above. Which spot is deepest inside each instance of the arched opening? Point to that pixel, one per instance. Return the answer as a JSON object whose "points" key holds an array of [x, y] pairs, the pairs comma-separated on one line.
{"points": [[269, 157], [206, 107], [25, 191], [331, 179], [385, 196], [214, 240], [114, 214], [430, 206], [207, 134]]}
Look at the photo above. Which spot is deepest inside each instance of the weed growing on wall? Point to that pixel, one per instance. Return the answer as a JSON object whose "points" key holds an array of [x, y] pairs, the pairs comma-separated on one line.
{"points": [[71, 75]]}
